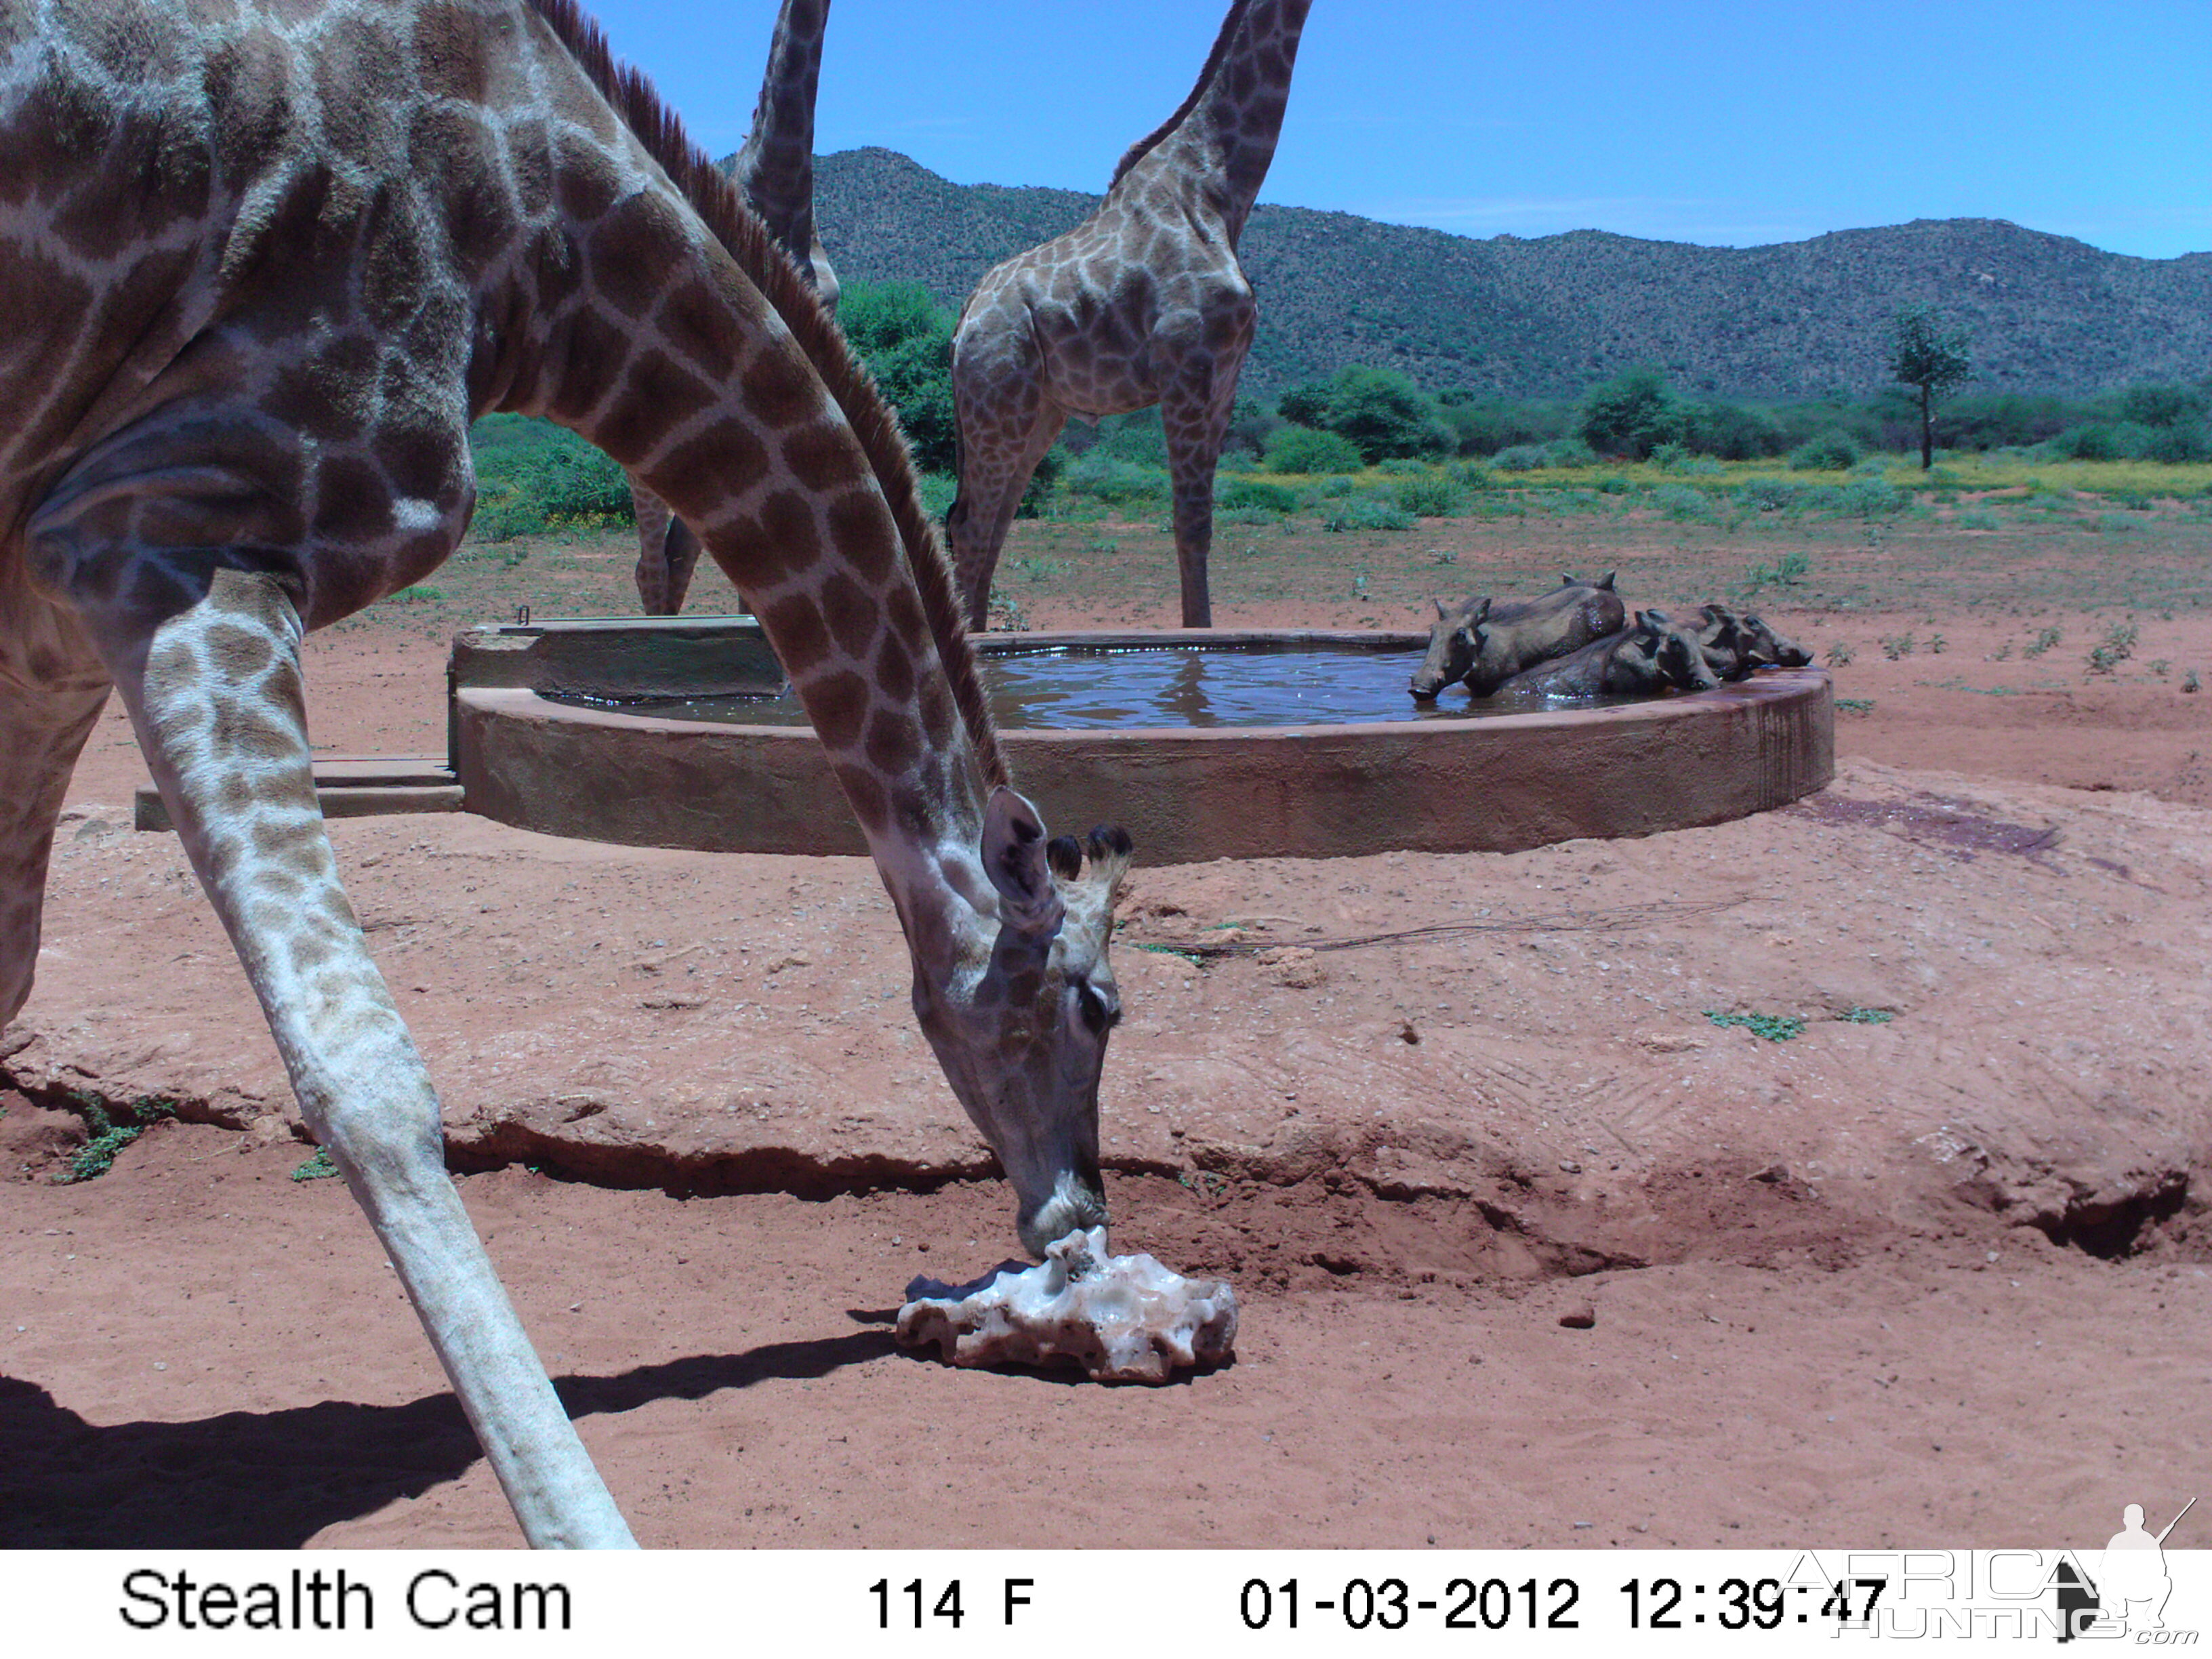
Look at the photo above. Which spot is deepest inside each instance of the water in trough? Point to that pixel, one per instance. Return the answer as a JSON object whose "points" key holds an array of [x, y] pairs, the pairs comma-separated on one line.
{"points": [[1120, 688]]}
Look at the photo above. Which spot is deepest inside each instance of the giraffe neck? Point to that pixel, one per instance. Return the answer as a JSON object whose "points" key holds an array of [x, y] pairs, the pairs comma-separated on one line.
{"points": [[699, 361], [775, 166], [1221, 142]]}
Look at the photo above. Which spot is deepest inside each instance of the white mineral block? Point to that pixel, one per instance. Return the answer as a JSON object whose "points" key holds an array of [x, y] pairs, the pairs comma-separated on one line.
{"points": [[1122, 1318]]}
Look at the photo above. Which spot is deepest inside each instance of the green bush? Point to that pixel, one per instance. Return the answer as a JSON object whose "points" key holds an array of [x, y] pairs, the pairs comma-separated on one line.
{"points": [[1303, 449], [1429, 496], [1869, 497], [1137, 436], [905, 338], [1051, 467], [1681, 502], [1522, 457], [1768, 494], [1368, 513], [1240, 495], [1117, 483], [1830, 452], [532, 475], [1631, 415], [1571, 451], [1379, 411]]}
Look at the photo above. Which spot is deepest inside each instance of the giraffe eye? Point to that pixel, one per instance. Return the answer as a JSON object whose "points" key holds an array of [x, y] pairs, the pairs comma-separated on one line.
{"points": [[1099, 1014]]}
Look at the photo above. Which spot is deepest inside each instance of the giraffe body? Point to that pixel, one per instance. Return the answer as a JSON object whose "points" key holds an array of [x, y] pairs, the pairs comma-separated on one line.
{"points": [[775, 171], [1142, 303], [274, 257]]}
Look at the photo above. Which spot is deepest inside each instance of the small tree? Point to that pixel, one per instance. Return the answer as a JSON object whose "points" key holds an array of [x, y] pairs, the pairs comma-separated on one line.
{"points": [[1630, 415], [1925, 354]]}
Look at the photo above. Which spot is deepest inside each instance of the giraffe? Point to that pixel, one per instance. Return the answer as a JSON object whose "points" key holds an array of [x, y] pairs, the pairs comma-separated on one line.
{"points": [[1142, 303], [776, 170], [281, 253]]}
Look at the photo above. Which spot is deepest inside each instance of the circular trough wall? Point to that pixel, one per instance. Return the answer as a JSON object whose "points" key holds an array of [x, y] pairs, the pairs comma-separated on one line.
{"points": [[1494, 785]]}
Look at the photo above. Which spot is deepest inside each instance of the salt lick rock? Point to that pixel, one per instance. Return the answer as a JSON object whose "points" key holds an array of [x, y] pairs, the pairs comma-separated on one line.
{"points": [[1122, 1318]]}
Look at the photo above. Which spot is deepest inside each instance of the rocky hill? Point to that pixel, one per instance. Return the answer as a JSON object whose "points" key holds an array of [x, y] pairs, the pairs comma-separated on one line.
{"points": [[1550, 315]]}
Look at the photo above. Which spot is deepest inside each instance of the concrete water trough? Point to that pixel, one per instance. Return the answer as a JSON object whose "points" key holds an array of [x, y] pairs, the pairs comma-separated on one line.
{"points": [[668, 732]]}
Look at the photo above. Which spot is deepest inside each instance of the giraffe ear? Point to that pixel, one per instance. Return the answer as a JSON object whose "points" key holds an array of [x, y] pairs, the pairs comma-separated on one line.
{"points": [[1016, 858]]}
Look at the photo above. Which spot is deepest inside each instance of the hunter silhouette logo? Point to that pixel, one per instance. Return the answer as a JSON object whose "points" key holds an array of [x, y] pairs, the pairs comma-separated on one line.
{"points": [[2130, 1587]]}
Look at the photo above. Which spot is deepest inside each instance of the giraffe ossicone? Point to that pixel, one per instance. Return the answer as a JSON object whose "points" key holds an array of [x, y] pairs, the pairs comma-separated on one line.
{"points": [[268, 260], [1142, 303]]}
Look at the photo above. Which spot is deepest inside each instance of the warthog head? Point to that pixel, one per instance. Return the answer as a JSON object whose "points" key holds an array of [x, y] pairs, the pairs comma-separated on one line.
{"points": [[1676, 651], [1454, 643], [1768, 647]]}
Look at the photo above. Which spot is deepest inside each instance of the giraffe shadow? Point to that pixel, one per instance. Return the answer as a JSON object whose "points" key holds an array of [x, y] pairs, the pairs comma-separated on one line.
{"points": [[273, 1479]]}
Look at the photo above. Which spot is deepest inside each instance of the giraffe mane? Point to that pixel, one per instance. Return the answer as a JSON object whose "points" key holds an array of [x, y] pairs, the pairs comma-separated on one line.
{"points": [[1144, 146], [716, 199]]}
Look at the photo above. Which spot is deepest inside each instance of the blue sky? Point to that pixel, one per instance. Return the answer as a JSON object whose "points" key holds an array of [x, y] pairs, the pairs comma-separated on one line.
{"points": [[1716, 123]]}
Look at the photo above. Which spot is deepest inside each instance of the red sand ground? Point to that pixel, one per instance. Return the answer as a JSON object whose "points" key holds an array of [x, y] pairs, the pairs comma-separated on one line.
{"points": [[1829, 1306]]}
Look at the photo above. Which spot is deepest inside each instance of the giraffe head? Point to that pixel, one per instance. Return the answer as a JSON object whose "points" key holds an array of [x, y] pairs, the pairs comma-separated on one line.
{"points": [[1021, 1026]]}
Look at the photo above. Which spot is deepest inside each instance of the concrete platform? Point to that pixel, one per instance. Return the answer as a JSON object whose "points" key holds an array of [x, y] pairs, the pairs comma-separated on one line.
{"points": [[349, 787], [1186, 795]]}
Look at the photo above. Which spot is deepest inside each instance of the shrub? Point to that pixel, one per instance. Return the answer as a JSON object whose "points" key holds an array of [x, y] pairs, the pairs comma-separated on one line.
{"points": [[1681, 502], [938, 491], [1868, 497], [1978, 518], [1769, 494], [1630, 415], [1473, 475], [1368, 513], [1051, 467], [1250, 494], [1429, 496], [1118, 482], [1384, 415], [2187, 441], [1402, 466], [1138, 436], [905, 338], [1571, 451], [1522, 457], [1731, 432], [1830, 452], [1302, 449]]}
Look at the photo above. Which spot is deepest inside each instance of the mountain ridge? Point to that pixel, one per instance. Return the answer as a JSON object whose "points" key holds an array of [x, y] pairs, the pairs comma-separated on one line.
{"points": [[1548, 316]]}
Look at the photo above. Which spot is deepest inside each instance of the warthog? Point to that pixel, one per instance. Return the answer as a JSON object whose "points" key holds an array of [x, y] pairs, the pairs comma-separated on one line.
{"points": [[1484, 642], [1644, 658], [1735, 644]]}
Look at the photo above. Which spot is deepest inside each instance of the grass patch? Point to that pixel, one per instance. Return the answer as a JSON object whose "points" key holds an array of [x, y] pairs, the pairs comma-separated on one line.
{"points": [[1774, 1028], [318, 1167], [97, 1156]]}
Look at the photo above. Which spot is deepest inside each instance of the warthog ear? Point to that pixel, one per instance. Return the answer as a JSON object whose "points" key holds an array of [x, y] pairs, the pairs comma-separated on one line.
{"points": [[1659, 618], [1015, 855], [1479, 611], [1606, 580], [1443, 608]]}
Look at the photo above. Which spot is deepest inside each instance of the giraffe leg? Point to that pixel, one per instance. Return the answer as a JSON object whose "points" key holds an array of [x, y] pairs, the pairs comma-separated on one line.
{"points": [[215, 691], [1194, 415], [43, 727], [990, 495], [667, 554], [682, 555], [654, 521]]}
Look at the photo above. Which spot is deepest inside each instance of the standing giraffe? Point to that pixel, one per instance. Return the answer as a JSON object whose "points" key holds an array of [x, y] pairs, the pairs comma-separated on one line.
{"points": [[268, 260], [1142, 303], [775, 171]]}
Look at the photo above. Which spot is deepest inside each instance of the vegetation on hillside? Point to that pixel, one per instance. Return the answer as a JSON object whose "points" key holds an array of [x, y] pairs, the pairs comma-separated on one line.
{"points": [[1551, 316]]}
